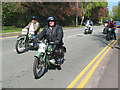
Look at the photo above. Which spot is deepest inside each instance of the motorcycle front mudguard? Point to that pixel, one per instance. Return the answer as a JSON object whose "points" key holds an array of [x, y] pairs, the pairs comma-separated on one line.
{"points": [[45, 57], [38, 55], [20, 37]]}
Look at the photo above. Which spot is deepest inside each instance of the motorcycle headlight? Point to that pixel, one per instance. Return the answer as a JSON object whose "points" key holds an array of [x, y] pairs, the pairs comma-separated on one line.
{"points": [[109, 29], [42, 47]]}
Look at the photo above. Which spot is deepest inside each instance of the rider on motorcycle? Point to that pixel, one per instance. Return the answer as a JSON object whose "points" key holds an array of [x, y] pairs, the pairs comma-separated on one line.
{"points": [[106, 22], [105, 27], [111, 25], [89, 22], [53, 33], [34, 27]]}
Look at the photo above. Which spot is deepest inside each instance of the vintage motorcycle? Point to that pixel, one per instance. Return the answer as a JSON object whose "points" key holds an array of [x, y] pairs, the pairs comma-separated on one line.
{"points": [[24, 41], [110, 34], [88, 29], [43, 58], [105, 28]]}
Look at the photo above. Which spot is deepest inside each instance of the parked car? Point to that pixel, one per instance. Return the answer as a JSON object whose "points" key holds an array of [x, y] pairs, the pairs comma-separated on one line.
{"points": [[118, 24]]}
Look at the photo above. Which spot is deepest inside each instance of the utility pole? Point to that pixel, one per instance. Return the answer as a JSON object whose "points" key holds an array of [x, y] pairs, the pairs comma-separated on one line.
{"points": [[0, 15], [76, 14], [101, 20]]}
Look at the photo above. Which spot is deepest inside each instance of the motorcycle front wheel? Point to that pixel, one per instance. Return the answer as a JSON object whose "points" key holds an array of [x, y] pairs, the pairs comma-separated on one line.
{"points": [[104, 31], [20, 46], [108, 36], [85, 32], [38, 67]]}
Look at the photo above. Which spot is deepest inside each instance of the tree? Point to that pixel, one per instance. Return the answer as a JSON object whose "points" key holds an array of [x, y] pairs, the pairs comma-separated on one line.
{"points": [[115, 12], [118, 11], [20, 13], [88, 8], [13, 14]]}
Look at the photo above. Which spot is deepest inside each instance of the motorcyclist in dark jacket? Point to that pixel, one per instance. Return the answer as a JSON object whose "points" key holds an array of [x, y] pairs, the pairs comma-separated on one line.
{"points": [[112, 25], [53, 33]]}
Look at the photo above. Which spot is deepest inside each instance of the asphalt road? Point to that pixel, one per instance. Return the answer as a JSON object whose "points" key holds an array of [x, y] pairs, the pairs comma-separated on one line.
{"points": [[17, 69]]}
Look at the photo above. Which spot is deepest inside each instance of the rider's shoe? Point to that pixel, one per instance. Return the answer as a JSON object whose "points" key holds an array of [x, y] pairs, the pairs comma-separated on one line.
{"points": [[36, 47], [60, 61]]}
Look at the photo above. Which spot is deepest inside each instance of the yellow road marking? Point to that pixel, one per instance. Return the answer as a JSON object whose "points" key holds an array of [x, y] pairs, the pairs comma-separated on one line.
{"points": [[84, 81], [7, 37], [87, 67]]}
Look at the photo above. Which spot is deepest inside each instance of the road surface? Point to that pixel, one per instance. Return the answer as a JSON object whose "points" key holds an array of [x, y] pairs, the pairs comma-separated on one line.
{"points": [[17, 69]]}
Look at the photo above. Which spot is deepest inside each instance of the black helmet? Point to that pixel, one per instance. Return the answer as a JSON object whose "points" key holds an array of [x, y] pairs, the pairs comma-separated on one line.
{"points": [[34, 17], [52, 18]]}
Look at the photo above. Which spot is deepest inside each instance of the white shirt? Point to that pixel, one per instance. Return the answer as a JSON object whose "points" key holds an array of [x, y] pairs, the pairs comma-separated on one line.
{"points": [[31, 29]]}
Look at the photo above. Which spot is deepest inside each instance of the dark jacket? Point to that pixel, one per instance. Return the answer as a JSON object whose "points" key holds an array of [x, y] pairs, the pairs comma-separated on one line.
{"points": [[54, 35], [110, 25]]}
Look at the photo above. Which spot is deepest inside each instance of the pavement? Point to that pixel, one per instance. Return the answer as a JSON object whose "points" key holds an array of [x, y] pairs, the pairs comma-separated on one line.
{"points": [[106, 74], [81, 50], [109, 78]]}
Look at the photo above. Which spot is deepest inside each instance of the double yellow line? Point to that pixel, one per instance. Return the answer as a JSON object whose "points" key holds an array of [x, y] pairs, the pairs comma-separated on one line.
{"points": [[84, 81]]}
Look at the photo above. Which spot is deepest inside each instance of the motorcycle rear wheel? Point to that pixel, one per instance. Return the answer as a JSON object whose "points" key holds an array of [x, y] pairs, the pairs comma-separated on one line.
{"points": [[108, 37], [39, 67]]}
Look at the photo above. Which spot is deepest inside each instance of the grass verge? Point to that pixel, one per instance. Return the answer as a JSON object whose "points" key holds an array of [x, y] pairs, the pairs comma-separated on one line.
{"points": [[7, 29], [10, 30]]}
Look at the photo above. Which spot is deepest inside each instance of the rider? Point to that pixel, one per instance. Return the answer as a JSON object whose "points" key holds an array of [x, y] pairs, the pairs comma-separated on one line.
{"points": [[53, 33], [111, 25], [106, 22], [34, 27], [89, 22]]}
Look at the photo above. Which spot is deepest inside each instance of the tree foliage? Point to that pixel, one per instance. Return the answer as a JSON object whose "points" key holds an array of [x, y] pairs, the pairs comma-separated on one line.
{"points": [[20, 13], [115, 13]]}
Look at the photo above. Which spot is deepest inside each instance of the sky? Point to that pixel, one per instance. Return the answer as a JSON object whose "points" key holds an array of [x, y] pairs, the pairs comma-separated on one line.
{"points": [[111, 3]]}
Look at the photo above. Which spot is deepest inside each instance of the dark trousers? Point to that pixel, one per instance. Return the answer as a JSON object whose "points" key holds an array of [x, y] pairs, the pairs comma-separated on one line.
{"points": [[113, 31], [56, 49]]}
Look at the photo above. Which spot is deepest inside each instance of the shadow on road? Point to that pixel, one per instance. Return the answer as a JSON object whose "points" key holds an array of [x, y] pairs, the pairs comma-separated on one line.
{"points": [[117, 48], [102, 39]]}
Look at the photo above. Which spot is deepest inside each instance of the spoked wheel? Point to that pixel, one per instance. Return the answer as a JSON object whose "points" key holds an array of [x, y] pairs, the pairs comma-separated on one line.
{"points": [[20, 46], [38, 67], [104, 31], [111, 36], [85, 32]]}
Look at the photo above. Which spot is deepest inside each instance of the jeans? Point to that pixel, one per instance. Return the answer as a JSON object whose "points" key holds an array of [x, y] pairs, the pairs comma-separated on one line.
{"points": [[35, 40]]}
